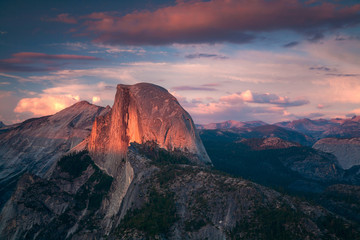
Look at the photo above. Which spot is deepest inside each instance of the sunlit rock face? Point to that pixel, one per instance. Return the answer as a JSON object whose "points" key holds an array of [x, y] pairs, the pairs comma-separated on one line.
{"points": [[144, 112]]}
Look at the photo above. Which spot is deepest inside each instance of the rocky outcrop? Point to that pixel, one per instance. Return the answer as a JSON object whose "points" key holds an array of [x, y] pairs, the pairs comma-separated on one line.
{"points": [[347, 151], [268, 143], [143, 113], [35, 144], [2, 124]]}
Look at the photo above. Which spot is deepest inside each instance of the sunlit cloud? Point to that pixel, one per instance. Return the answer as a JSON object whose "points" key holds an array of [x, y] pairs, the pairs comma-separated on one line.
{"points": [[63, 18], [218, 21], [27, 61], [54, 99], [244, 106], [263, 98], [45, 104], [96, 99]]}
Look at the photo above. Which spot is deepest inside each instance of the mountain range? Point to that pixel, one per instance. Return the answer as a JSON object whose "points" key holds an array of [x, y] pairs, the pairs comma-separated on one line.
{"points": [[141, 170]]}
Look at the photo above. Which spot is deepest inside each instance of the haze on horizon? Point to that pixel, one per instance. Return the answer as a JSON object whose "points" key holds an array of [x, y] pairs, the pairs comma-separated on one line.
{"points": [[223, 59]]}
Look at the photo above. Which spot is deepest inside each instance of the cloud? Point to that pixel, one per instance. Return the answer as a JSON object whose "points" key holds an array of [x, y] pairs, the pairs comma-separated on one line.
{"points": [[345, 52], [95, 99], [11, 67], [310, 115], [24, 61], [54, 99], [189, 88], [291, 44], [322, 68], [343, 89], [26, 57], [322, 106], [45, 104], [343, 74], [205, 55], [211, 85], [221, 110], [218, 20], [315, 37], [116, 50], [63, 18], [11, 76], [263, 98], [239, 106]]}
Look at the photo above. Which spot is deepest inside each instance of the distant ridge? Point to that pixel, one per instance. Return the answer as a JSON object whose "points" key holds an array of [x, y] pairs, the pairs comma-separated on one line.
{"points": [[231, 124]]}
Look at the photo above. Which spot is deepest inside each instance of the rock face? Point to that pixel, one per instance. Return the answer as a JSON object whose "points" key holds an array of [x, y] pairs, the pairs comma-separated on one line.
{"points": [[34, 145], [143, 113], [2, 124], [347, 151]]}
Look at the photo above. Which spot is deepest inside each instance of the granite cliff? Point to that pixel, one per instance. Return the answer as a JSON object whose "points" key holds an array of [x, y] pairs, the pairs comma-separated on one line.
{"points": [[144, 113]]}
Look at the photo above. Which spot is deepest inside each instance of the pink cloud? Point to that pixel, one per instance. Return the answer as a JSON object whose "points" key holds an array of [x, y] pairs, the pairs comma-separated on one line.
{"points": [[237, 107], [263, 98], [217, 20], [18, 60], [64, 18], [45, 104], [21, 56]]}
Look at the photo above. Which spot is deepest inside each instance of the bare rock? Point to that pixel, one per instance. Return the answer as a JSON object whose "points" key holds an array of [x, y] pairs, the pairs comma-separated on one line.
{"points": [[347, 151], [143, 113]]}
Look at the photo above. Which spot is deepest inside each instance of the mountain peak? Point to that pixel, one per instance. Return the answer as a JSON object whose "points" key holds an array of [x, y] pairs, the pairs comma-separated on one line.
{"points": [[143, 113], [81, 103]]}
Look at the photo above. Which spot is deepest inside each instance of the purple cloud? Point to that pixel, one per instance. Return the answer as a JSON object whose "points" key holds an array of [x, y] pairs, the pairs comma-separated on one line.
{"points": [[263, 98], [205, 55], [291, 44], [322, 68], [63, 18], [218, 21], [24, 61]]}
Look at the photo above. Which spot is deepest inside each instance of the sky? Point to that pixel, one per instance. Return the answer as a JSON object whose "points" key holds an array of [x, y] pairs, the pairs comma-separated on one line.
{"points": [[269, 60]]}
